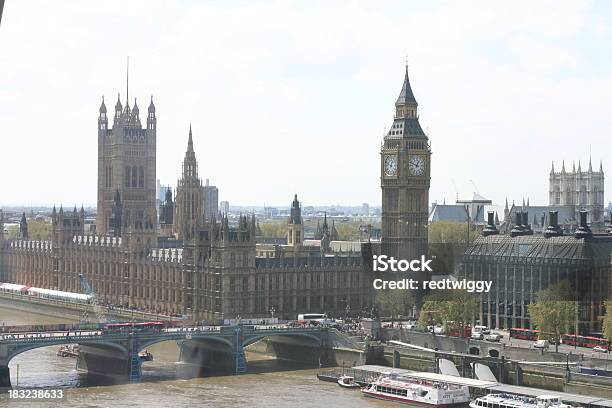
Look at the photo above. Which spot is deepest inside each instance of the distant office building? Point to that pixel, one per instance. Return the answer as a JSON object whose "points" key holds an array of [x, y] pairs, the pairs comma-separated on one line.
{"points": [[271, 212], [224, 207], [211, 200], [475, 208], [365, 209], [161, 192]]}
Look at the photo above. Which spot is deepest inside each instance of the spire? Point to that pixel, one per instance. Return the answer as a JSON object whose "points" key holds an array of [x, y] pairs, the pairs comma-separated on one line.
{"points": [[135, 110], [552, 168], [151, 106], [574, 166], [579, 169], [600, 167], [190, 142], [590, 165], [563, 166], [527, 201], [406, 96], [506, 207]]}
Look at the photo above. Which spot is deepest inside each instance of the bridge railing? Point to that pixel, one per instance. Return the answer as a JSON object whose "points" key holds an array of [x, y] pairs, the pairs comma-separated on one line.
{"points": [[55, 333]]}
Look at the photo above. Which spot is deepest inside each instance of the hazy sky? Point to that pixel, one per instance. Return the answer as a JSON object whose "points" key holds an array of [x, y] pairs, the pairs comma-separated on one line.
{"points": [[293, 97]]}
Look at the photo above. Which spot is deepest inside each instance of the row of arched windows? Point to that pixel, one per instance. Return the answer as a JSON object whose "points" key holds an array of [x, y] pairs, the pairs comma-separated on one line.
{"points": [[134, 177]]}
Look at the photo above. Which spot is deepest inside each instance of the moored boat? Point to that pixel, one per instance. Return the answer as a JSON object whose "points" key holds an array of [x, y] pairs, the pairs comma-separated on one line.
{"points": [[418, 392], [516, 401], [69, 350], [347, 381], [145, 355]]}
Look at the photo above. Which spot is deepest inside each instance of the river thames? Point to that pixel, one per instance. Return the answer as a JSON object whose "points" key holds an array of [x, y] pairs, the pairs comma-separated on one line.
{"points": [[269, 383]]}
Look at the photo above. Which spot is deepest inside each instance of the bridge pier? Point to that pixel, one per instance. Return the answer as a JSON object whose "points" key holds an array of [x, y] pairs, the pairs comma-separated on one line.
{"points": [[201, 358], [5, 377], [109, 362]]}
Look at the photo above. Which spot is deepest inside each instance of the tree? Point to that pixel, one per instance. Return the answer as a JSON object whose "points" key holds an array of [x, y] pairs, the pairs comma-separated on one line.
{"points": [[37, 229], [607, 321], [395, 302], [553, 311], [446, 306], [274, 229], [451, 232], [347, 232], [447, 243]]}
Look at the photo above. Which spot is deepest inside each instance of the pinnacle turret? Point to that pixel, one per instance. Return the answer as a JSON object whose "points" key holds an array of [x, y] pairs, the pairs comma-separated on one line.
{"points": [[118, 106]]}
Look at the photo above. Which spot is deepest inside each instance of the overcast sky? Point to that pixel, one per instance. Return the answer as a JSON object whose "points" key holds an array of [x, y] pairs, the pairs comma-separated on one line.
{"points": [[293, 97]]}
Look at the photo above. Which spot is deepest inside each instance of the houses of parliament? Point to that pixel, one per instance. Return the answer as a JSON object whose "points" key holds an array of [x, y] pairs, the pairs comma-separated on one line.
{"points": [[207, 267]]}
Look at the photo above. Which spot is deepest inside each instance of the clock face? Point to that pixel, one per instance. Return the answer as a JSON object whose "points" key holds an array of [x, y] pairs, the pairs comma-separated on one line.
{"points": [[390, 165], [416, 165]]}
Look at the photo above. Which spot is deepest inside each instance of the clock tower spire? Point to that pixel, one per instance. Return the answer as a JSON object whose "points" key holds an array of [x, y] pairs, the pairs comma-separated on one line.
{"points": [[405, 179]]}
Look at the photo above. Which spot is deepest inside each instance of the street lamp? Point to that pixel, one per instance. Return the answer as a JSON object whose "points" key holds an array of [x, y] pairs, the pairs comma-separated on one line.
{"points": [[272, 311]]}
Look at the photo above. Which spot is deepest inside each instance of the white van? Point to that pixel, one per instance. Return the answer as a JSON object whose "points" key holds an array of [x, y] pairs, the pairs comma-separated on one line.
{"points": [[481, 329], [541, 344]]}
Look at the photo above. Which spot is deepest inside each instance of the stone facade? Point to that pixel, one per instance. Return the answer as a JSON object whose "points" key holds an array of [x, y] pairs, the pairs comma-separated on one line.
{"points": [[211, 272]]}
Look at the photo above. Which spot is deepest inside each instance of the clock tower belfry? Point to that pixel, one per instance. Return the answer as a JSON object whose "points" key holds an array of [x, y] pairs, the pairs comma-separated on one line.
{"points": [[404, 178]]}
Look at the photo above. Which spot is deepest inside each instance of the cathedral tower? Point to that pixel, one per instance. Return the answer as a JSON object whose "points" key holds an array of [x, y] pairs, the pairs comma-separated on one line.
{"points": [[126, 168], [189, 202], [405, 177], [584, 190]]}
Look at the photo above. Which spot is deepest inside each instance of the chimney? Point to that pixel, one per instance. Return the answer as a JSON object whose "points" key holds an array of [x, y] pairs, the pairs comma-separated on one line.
{"points": [[583, 230], [525, 223], [490, 229], [518, 227], [553, 229]]}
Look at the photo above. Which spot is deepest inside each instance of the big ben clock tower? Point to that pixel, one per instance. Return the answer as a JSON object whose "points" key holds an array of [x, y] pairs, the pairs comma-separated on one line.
{"points": [[404, 177]]}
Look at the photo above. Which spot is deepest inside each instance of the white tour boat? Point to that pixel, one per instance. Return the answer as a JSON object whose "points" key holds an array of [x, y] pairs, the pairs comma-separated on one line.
{"points": [[347, 381], [417, 392], [515, 401]]}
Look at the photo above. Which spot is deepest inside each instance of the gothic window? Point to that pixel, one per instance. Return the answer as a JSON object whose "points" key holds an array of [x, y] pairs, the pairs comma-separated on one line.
{"points": [[134, 177], [141, 177], [127, 176]]}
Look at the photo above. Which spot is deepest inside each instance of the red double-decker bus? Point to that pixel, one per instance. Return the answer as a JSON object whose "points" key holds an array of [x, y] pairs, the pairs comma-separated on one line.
{"points": [[585, 341], [524, 334]]}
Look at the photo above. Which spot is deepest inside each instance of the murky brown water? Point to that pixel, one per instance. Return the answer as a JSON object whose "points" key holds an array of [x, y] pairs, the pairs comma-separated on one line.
{"points": [[270, 383]]}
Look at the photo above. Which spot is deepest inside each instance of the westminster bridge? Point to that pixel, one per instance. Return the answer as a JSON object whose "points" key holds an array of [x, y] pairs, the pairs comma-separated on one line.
{"points": [[116, 352]]}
